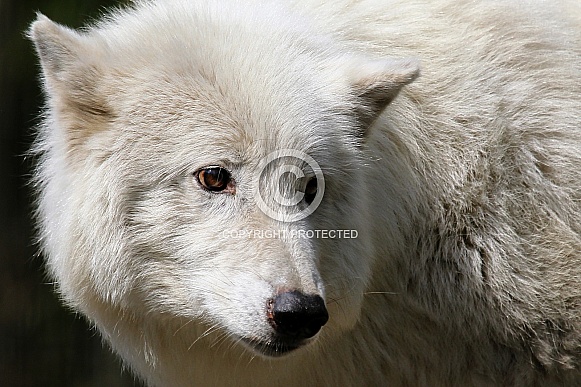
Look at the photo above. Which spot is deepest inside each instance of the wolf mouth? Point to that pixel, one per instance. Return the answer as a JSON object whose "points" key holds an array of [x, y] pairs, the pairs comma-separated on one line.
{"points": [[272, 348]]}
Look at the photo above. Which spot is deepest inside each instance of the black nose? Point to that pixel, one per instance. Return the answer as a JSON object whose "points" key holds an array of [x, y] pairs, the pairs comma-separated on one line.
{"points": [[296, 316]]}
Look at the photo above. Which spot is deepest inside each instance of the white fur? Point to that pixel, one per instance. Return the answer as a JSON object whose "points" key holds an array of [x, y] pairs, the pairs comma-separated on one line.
{"points": [[465, 191]]}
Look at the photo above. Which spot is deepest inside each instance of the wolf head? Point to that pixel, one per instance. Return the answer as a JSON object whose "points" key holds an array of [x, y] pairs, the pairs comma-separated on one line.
{"points": [[153, 182]]}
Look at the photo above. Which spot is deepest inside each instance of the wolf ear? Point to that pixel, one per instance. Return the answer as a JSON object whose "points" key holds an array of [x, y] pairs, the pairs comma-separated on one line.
{"points": [[376, 83], [58, 47], [70, 74]]}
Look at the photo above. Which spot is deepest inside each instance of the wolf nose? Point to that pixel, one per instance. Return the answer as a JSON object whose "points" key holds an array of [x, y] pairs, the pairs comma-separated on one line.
{"points": [[297, 316]]}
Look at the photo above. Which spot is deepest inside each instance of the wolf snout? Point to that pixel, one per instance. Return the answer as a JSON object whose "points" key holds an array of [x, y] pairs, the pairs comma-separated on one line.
{"points": [[296, 316]]}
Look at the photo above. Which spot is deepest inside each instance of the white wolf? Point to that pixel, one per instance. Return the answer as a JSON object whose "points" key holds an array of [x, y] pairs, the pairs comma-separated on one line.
{"points": [[444, 249]]}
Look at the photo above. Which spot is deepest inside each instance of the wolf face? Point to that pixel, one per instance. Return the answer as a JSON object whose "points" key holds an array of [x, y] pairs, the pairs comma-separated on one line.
{"points": [[153, 181]]}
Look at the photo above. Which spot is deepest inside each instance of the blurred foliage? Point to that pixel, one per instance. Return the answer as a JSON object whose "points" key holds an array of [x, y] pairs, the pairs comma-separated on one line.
{"points": [[42, 343]]}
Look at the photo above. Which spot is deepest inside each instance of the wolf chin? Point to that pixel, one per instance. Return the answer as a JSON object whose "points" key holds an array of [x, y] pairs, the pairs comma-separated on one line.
{"points": [[447, 135]]}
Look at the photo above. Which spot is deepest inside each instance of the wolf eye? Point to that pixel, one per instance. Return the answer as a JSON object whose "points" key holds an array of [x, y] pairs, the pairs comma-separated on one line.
{"points": [[311, 190], [215, 179]]}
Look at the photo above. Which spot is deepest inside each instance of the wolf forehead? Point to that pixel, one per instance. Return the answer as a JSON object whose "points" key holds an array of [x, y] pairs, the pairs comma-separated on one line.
{"points": [[181, 79], [160, 77]]}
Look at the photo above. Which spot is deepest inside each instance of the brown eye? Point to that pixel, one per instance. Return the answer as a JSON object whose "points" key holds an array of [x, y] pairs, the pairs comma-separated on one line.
{"points": [[215, 179], [311, 190]]}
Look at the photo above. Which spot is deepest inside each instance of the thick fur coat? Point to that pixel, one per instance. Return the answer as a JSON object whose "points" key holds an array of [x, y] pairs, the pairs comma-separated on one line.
{"points": [[449, 137]]}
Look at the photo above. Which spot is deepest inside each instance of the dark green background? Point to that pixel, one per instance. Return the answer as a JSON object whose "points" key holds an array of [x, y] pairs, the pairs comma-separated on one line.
{"points": [[42, 343]]}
